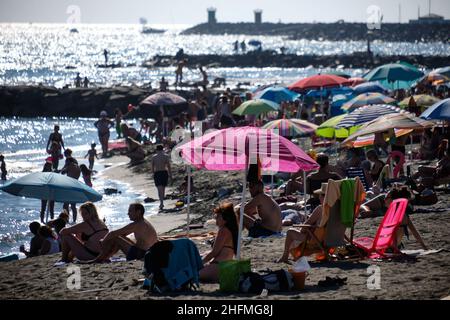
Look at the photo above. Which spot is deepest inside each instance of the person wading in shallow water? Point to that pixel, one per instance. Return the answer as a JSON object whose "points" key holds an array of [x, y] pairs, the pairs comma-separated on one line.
{"points": [[54, 144], [161, 172], [103, 125]]}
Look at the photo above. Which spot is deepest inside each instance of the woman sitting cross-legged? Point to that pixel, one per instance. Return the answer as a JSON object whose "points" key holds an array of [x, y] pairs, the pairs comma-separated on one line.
{"points": [[225, 243], [82, 241]]}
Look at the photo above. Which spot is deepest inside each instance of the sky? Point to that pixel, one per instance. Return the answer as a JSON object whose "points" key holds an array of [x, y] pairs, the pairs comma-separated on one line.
{"points": [[194, 11]]}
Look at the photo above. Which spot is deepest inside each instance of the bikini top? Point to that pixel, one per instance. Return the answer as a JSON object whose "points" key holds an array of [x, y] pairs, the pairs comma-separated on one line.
{"points": [[86, 237]]}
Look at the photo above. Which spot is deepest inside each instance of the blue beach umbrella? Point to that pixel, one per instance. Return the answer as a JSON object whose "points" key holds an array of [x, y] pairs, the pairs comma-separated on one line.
{"points": [[368, 87], [277, 94], [51, 186], [438, 111], [395, 75], [337, 102], [329, 92]]}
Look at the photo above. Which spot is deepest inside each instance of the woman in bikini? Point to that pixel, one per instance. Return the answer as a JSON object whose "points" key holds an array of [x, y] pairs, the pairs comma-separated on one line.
{"points": [[82, 241], [225, 243]]}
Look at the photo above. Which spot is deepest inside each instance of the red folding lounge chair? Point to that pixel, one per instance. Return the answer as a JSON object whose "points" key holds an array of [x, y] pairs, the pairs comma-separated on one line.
{"points": [[386, 234]]}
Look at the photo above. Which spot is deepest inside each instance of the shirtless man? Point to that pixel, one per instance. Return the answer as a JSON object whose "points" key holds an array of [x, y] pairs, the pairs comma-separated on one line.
{"points": [[266, 208], [315, 180], [161, 172], [144, 233]]}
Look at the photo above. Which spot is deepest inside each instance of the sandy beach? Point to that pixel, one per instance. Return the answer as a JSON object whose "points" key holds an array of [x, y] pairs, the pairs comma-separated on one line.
{"points": [[420, 277]]}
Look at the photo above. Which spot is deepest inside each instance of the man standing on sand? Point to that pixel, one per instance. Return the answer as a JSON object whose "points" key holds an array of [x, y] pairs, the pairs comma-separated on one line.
{"points": [[144, 233], [269, 221], [161, 172]]}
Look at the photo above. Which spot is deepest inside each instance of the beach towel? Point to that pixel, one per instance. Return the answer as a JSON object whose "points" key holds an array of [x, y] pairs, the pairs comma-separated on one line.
{"points": [[175, 264], [347, 202]]}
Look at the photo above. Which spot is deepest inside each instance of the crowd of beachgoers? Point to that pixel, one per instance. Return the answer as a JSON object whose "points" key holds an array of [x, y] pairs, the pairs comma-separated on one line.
{"points": [[377, 180]]}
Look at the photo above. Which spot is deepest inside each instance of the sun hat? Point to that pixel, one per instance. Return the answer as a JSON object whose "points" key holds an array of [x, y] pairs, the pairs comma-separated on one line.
{"points": [[322, 190]]}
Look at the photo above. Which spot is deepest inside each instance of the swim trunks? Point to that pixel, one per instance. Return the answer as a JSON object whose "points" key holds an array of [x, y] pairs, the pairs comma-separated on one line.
{"points": [[161, 178], [257, 231], [135, 253]]}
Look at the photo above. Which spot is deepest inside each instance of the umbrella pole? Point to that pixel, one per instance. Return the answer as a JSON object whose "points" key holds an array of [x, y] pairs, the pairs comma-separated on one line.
{"points": [[271, 185], [188, 198], [47, 211], [304, 189], [241, 216], [411, 149]]}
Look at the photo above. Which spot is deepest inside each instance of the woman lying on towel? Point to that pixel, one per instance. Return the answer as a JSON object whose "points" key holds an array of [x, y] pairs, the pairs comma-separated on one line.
{"points": [[225, 243], [294, 236]]}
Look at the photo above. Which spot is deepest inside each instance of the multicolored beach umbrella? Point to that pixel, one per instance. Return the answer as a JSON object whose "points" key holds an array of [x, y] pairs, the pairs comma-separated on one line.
{"points": [[277, 94], [420, 100], [365, 141], [365, 99], [291, 127], [444, 71], [256, 107], [365, 114], [403, 120]]}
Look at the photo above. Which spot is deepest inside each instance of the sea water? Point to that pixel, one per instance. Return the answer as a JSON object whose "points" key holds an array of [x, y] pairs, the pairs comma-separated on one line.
{"points": [[23, 142], [50, 54]]}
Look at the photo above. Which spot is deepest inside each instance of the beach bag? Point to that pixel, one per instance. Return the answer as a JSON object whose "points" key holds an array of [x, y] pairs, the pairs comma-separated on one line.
{"points": [[273, 281], [230, 272]]}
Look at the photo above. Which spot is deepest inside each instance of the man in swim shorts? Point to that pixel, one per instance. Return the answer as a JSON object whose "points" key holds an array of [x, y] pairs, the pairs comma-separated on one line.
{"points": [[161, 172], [262, 205], [143, 231]]}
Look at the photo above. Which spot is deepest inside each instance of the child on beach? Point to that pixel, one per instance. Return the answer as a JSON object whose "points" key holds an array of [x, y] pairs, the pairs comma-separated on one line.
{"points": [[35, 243], [3, 167], [50, 243], [87, 174], [59, 223], [225, 243], [118, 116], [92, 154]]}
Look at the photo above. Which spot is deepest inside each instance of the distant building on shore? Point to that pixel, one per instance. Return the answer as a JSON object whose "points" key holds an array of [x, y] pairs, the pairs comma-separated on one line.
{"points": [[212, 15], [430, 18], [258, 16]]}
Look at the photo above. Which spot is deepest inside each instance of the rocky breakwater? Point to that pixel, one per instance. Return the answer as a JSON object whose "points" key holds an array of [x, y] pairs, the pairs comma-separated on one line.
{"points": [[268, 58], [35, 101], [338, 31]]}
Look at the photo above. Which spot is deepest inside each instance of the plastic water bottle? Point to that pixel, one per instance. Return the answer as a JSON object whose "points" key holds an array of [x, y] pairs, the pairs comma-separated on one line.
{"points": [[264, 293]]}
